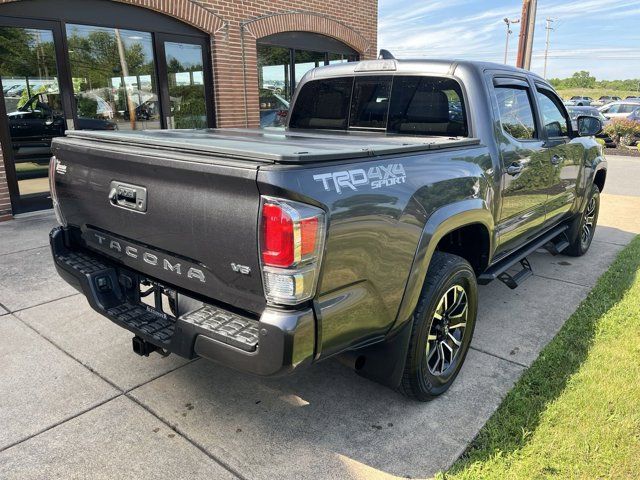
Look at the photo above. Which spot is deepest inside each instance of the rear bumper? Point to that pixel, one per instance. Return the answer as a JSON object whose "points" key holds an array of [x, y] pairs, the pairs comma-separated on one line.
{"points": [[276, 343]]}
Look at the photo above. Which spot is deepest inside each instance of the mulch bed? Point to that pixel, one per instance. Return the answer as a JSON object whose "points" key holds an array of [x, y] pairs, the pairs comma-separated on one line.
{"points": [[622, 151]]}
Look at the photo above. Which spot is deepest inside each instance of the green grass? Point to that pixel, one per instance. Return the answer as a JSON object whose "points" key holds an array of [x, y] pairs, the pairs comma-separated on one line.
{"points": [[575, 413], [596, 93]]}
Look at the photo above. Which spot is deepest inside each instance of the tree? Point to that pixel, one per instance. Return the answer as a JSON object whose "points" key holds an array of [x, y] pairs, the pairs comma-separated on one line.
{"points": [[583, 79]]}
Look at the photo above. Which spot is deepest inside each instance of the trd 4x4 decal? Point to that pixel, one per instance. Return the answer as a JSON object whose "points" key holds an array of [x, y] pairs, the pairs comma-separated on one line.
{"points": [[376, 177]]}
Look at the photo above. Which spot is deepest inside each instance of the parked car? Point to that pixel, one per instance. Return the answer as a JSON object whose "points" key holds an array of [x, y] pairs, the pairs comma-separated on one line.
{"points": [[633, 98], [575, 112], [14, 91], [38, 121], [618, 109], [579, 101], [635, 115], [6, 89], [605, 99], [363, 229]]}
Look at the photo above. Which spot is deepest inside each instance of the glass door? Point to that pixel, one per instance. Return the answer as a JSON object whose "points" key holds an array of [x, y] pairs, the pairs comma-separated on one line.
{"points": [[32, 107], [185, 81], [114, 78]]}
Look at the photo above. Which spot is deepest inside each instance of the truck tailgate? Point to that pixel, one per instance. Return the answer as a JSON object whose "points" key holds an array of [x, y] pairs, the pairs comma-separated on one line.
{"points": [[200, 215]]}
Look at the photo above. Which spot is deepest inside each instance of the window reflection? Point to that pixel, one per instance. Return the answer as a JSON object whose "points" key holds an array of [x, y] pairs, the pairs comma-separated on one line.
{"points": [[274, 77], [113, 78], [277, 77], [32, 103], [306, 61], [186, 85]]}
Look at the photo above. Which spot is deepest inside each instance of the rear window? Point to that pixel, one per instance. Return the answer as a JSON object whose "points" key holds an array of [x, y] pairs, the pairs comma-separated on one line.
{"points": [[407, 105]]}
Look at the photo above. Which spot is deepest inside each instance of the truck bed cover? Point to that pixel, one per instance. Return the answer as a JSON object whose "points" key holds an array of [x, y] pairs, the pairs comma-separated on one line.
{"points": [[276, 146]]}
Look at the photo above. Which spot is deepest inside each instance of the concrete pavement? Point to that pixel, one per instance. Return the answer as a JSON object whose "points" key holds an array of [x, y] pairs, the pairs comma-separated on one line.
{"points": [[77, 403]]}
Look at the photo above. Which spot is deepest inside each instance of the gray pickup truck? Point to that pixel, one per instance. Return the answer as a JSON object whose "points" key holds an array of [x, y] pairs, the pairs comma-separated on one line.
{"points": [[361, 230]]}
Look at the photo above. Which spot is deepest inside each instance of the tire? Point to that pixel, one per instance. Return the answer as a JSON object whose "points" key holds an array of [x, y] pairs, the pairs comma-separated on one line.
{"points": [[579, 239], [427, 372]]}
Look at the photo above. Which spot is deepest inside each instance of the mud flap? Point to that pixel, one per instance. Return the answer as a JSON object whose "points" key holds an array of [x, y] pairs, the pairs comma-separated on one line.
{"points": [[384, 362]]}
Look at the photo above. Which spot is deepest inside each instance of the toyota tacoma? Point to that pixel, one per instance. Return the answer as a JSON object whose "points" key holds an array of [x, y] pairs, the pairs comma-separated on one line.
{"points": [[362, 229]]}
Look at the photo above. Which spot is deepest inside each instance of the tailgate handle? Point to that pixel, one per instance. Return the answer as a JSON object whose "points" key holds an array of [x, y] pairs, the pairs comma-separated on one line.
{"points": [[125, 195]]}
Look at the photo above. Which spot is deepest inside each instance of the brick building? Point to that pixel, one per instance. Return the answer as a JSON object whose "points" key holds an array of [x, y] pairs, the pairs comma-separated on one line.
{"points": [[87, 64]]}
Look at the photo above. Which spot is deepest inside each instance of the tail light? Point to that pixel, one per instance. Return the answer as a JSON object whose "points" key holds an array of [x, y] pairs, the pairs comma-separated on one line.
{"points": [[291, 246], [53, 163]]}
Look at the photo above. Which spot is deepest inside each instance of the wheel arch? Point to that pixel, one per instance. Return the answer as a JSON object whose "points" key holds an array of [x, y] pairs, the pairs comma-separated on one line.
{"points": [[472, 215], [600, 178]]}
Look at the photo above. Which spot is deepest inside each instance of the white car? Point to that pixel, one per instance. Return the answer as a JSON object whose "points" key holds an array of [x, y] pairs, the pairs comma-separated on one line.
{"points": [[617, 110]]}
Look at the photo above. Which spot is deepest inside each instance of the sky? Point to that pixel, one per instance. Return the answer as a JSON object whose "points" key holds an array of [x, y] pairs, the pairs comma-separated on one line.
{"points": [[601, 36]]}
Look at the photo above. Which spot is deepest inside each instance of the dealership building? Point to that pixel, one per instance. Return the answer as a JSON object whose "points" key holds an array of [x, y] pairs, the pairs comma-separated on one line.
{"points": [[156, 64]]}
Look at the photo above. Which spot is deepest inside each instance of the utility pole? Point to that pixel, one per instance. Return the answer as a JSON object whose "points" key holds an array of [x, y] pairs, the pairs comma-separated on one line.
{"points": [[509, 32], [125, 73], [527, 27], [546, 48]]}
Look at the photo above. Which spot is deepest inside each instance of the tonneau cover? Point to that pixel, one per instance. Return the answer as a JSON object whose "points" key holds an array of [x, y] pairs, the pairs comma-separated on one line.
{"points": [[275, 145]]}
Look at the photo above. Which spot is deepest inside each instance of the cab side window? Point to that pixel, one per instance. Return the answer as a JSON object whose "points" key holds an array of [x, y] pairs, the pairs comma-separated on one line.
{"points": [[554, 120], [516, 112]]}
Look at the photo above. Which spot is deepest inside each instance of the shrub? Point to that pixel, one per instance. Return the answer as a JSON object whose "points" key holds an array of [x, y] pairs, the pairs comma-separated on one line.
{"points": [[623, 131]]}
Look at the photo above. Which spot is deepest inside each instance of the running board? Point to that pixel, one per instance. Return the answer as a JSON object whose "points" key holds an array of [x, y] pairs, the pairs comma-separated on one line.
{"points": [[512, 281], [499, 270], [558, 245]]}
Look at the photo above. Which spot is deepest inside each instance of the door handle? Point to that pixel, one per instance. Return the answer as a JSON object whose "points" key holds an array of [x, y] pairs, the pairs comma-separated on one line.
{"points": [[556, 159], [515, 168]]}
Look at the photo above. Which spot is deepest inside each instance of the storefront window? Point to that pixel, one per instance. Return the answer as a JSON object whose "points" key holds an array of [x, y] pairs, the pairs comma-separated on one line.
{"points": [[274, 77], [31, 94], [280, 68], [186, 85], [113, 76], [306, 61], [341, 58]]}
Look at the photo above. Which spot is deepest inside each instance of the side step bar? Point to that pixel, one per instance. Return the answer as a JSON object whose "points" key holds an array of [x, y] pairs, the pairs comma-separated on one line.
{"points": [[499, 270], [512, 281]]}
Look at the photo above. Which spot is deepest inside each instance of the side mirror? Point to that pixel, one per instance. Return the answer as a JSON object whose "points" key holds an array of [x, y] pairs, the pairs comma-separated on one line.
{"points": [[588, 126]]}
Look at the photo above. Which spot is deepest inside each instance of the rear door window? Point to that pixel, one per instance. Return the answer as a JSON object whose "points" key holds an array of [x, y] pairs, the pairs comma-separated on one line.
{"points": [[516, 112]]}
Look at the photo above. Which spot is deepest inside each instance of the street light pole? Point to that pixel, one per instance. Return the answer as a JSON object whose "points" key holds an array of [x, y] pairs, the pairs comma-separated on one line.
{"points": [[546, 48], [509, 32]]}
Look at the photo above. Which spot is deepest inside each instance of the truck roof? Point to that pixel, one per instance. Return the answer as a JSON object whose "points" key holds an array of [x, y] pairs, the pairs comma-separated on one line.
{"points": [[408, 67]]}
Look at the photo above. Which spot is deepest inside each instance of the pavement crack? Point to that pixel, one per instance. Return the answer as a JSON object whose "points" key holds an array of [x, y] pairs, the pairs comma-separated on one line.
{"points": [[23, 250], [131, 389], [88, 367], [563, 281], [43, 303], [193, 442], [498, 357], [57, 424]]}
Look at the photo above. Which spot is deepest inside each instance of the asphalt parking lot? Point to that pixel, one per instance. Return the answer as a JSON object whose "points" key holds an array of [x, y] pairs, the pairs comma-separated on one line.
{"points": [[76, 402]]}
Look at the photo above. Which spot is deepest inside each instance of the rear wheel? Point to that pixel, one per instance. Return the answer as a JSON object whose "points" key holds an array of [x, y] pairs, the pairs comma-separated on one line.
{"points": [[584, 227], [443, 324]]}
